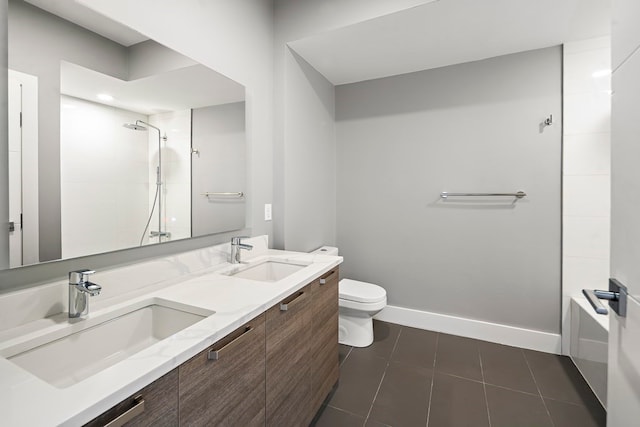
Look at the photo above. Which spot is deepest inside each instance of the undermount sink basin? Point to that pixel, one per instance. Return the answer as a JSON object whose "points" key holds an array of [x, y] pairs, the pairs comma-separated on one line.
{"points": [[72, 358], [267, 271]]}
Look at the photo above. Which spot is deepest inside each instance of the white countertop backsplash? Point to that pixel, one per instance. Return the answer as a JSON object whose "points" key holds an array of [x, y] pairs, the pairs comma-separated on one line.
{"points": [[188, 278]]}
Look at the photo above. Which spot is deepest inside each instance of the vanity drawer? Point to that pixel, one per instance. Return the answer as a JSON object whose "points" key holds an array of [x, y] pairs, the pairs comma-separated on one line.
{"points": [[154, 405], [288, 347], [224, 384]]}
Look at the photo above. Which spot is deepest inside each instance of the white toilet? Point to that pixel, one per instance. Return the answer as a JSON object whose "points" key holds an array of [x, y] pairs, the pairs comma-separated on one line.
{"points": [[358, 303]]}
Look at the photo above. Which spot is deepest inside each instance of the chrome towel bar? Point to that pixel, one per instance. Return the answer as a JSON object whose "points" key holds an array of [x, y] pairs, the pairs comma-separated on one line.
{"points": [[238, 194], [518, 194]]}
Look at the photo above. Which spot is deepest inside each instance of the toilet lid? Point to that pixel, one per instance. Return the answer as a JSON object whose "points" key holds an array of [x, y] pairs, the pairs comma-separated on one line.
{"points": [[354, 290]]}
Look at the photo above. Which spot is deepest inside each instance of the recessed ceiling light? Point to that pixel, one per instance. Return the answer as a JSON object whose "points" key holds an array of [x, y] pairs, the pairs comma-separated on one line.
{"points": [[601, 73], [105, 97]]}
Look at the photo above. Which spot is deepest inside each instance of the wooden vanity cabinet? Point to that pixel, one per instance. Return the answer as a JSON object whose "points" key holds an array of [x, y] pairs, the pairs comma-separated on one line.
{"points": [[302, 352], [225, 384], [288, 349], [325, 366], [154, 405], [275, 370]]}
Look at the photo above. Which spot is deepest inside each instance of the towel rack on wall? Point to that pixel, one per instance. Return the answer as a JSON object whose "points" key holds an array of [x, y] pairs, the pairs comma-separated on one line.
{"points": [[517, 194], [234, 195]]}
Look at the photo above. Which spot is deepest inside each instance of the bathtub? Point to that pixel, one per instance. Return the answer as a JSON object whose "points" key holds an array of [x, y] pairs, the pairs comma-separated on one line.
{"points": [[589, 345]]}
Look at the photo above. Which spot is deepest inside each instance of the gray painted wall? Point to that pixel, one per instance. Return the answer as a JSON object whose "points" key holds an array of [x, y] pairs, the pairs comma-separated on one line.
{"points": [[38, 41], [309, 159], [4, 143], [466, 128], [304, 143], [218, 133]]}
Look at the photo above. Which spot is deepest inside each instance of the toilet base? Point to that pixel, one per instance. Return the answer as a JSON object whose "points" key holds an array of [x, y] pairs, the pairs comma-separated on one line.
{"points": [[355, 331]]}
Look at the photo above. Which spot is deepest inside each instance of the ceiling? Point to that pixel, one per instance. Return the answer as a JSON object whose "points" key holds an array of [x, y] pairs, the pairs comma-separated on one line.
{"points": [[91, 20], [189, 87], [179, 89], [434, 34], [449, 32]]}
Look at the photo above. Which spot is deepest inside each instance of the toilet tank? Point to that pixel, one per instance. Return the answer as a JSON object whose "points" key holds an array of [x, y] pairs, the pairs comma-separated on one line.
{"points": [[326, 250]]}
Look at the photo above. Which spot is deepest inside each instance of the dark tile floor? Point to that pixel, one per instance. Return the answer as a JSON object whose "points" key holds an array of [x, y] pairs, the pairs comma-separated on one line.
{"points": [[411, 377]]}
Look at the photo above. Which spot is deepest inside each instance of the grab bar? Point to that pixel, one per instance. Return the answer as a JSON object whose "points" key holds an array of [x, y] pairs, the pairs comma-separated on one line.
{"points": [[238, 194], [617, 296], [518, 194], [595, 295]]}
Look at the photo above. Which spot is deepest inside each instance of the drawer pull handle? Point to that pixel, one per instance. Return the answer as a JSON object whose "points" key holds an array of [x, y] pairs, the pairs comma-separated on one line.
{"points": [[324, 280], [284, 306], [127, 416], [217, 354]]}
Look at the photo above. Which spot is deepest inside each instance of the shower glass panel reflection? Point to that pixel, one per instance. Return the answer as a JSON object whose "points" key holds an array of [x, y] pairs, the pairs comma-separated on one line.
{"points": [[121, 188], [140, 125]]}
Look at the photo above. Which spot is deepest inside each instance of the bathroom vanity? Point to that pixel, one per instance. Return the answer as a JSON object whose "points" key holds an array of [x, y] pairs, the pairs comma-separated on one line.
{"points": [[251, 351]]}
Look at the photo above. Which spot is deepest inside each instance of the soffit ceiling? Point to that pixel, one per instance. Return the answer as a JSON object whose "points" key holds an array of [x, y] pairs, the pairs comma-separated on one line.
{"points": [[189, 87], [432, 35], [91, 20], [448, 32]]}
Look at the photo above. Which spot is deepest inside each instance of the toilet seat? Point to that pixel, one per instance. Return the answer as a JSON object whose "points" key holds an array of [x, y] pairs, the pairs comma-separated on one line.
{"points": [[366, 308], [361, 292]]}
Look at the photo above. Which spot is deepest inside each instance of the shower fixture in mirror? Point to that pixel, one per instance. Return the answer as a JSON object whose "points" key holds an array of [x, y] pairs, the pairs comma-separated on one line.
{"points": [[134, 143]]}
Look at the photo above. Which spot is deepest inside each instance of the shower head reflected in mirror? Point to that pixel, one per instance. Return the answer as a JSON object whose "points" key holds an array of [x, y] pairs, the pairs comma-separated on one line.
{"points": [[135, 126], [144, 126]]}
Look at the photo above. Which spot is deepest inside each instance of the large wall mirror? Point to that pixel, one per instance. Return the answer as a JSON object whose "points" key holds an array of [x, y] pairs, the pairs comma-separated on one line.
{"points": [[115, 141]]}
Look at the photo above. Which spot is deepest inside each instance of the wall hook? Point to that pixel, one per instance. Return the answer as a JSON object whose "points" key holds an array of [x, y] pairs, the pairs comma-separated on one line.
{"points": [[549, 120]]}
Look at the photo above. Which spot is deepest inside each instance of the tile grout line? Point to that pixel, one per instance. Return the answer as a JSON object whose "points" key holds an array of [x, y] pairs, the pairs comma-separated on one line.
{"points": [[343, 410], [537, 393], [484, 387], [382, 379], [340, 367], [538, 387], [568, 402], [513, 389], [473, 380], [384, 374], [433, 377], [345, 358]]}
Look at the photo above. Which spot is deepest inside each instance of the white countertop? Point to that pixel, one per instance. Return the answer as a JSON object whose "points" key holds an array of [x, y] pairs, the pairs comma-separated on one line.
{"points": [[26, 400]]}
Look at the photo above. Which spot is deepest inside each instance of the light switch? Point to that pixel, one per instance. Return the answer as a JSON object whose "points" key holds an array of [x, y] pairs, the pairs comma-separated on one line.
{"points": [[267, 212]]}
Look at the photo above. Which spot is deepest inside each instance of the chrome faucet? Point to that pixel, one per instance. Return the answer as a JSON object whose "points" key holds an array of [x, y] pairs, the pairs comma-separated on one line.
{"points": [[236, 246], [79, 291]]}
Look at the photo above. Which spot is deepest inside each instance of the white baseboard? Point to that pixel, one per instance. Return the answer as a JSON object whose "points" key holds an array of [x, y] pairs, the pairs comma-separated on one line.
{"points": [[478, 329]]}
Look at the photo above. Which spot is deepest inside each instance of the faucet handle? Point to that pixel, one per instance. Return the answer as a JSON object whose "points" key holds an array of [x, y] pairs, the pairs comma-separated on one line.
{"points": [[79, 276], [236, 240]]}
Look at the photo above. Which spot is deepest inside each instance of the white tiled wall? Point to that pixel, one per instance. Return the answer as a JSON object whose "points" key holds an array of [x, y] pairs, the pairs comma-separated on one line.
{"points": [[104, 178], [586, 170]]}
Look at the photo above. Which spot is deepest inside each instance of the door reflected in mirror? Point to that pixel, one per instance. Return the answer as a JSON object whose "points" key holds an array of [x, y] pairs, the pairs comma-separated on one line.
{"points": [[88, 184]]}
